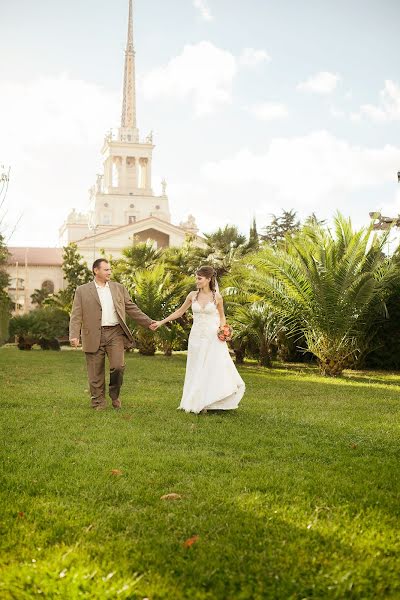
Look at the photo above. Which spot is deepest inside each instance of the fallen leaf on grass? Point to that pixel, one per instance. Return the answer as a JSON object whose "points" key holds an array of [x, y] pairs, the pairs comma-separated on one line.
{"points": [[353, 445], [189, 542], [127, 417], [21, 515], [171, 496], [116, 472]]}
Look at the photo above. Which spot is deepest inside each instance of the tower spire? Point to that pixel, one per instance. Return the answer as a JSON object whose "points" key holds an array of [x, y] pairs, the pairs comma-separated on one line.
{"points": [[128, 130]]}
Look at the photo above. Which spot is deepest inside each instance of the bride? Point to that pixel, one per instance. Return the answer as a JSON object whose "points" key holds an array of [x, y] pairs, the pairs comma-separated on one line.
{"points": [[211, 381]]}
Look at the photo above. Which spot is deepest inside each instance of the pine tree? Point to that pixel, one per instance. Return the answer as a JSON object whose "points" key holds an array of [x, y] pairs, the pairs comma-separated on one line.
{"points": [[254, 240], [280, 227]]}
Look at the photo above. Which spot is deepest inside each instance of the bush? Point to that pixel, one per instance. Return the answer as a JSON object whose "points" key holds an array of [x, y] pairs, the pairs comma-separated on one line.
{"points": [[44, 326], [387, 341]]}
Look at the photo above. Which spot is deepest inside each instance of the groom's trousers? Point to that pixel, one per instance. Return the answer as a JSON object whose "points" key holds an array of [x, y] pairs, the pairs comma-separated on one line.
{"points": [[112, 344]]}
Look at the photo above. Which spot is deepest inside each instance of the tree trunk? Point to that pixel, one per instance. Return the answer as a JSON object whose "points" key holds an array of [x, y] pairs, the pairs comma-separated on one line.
{"points": [[330, 367], [265, 354], [146, 343], [167, 348], [239, 355]]}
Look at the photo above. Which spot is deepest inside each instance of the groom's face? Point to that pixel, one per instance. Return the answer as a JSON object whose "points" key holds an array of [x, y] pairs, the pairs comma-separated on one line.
{"points": [[103, 272]]}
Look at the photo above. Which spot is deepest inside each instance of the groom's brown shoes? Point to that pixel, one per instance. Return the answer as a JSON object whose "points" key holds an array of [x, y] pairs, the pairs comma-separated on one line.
{"points": [[116, 403]]}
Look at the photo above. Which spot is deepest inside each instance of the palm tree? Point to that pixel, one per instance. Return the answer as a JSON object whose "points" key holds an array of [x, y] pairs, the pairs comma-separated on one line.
{"points": [[257, 325], [141, 255], [329, 286], [185, 259], [157, 292]]}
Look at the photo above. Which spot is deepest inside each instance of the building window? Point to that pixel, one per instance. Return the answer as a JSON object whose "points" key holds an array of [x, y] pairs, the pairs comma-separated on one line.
{"points": [[106, 220], [17, 284], [158, 207], [106, 204], [131, 206], [131, 219]]}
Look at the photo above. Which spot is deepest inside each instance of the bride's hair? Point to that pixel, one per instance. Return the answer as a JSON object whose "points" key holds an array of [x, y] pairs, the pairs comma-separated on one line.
{"points": [[210, 273]]}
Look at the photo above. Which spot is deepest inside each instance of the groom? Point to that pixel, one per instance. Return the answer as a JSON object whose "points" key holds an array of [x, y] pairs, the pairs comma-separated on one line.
{"points": [[98, 312]]}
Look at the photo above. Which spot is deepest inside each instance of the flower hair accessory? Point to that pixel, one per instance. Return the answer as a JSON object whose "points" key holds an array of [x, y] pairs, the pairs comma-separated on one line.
{"points": [[225, 333]]}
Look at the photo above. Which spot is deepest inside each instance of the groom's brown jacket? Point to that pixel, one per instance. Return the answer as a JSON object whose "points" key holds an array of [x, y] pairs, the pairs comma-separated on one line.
{"points": [[86, 314]]}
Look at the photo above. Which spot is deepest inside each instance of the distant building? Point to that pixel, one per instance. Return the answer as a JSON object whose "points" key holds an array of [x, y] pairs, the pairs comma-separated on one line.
{"points": [[122, 206]]}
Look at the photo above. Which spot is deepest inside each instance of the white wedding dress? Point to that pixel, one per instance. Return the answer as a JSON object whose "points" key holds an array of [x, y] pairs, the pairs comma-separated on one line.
{"points": [[211, 379]]}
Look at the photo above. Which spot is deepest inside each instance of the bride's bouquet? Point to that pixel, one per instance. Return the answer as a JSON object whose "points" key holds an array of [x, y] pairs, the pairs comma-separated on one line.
{"points": [[225, 333]]}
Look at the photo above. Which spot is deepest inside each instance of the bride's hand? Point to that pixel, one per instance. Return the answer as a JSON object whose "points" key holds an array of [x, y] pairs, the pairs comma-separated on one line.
{"points": [[156, 325]]}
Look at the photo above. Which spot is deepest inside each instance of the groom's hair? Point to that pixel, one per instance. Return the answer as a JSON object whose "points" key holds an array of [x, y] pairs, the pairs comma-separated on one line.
{"points": [[97, 263]]}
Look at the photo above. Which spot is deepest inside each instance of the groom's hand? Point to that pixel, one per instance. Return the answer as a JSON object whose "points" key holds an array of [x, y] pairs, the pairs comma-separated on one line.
{"points": [[153, 326], [74, 342]]}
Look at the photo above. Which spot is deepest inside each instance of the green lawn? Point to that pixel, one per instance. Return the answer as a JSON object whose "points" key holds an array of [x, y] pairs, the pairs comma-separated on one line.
{"points": [[293, 496]]}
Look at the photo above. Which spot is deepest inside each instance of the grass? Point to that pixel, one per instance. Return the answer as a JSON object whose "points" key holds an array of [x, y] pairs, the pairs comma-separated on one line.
{"points": [[293, 496]]}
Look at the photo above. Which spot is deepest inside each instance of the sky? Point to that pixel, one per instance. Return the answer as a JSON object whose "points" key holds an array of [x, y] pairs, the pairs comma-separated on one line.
{"points": [[255, 107]]}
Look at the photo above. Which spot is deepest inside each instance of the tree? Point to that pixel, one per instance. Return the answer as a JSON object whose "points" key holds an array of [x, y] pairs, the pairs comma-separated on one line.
{"points": [[76, 273], [312, 220], [280, 227], [223, 240], [158, 293], [142, 255], [332, 287], [185, 259], [257, 326], [254, 239], [43, 326], [5, 302], [39, 295], [226, 247]]}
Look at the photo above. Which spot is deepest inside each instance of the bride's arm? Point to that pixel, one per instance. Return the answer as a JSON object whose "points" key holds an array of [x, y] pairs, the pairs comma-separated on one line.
{"points": [[179, 312], [220, 307]]}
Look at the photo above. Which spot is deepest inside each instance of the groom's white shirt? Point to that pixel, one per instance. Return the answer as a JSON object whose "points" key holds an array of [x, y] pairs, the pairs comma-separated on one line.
{"points": [[108, 313]]}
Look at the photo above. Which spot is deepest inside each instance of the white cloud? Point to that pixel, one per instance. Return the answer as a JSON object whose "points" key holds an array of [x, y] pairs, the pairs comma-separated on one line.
{"points": [[389, 108], [204, 9], [336, 113], [269, 111], [51, 134], [201, 72], [317, 172], [323, 82], [251, 57]]}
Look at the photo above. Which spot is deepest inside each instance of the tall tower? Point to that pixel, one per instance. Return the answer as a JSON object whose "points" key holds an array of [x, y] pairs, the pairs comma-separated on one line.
{"points": [[123, 192], [128, 130]]}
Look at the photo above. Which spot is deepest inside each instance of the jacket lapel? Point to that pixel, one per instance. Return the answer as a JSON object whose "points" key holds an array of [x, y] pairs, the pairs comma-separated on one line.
{"points": [[93, 291]]}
